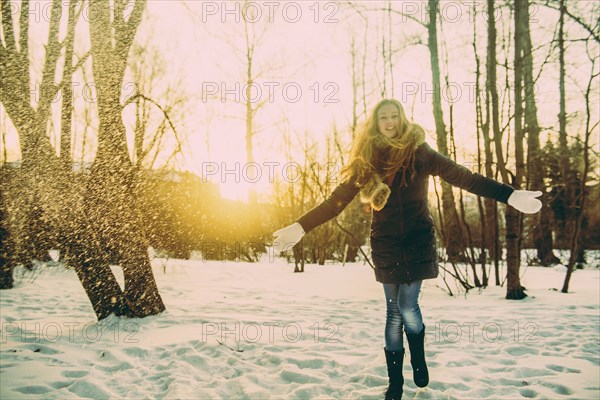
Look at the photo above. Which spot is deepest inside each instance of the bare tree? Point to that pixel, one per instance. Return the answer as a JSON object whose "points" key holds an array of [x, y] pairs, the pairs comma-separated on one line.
{"points": [[542, 231], [590, 27], [252, 33], [493, 116], [454, 240], [67, 91], [580, 197], [562, 114], [482, 132], [6, 273], [111, 226], [156, 112], [514, 290], [41, 170], [293, 196]]}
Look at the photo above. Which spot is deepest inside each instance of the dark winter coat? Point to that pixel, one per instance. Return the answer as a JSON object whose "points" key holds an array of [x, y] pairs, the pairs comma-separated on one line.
{"points": [[403, 243]]}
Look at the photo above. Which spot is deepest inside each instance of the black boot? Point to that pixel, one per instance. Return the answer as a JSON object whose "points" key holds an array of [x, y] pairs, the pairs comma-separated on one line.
{"points": [[416, 344], [394, 361]]}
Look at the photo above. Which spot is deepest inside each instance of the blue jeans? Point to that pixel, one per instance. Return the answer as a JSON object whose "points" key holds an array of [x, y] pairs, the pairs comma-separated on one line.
{"points": [[403, 311]]}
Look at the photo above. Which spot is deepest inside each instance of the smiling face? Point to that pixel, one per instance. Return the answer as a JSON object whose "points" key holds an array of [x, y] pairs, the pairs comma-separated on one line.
{"points": [[388, 120]]}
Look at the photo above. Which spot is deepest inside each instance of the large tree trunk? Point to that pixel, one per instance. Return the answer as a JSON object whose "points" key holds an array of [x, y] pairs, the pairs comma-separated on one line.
{"points": [[483, 129], [542, 231], [453, 236], [580, 195], [6, 248], [563, 147], [491, 207], [514, 290], [112, 229], [39, 161]]}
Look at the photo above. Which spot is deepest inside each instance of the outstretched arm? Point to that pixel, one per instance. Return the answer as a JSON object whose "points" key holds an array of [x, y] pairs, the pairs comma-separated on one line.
{"points": [[457, 175], [329, 208]]}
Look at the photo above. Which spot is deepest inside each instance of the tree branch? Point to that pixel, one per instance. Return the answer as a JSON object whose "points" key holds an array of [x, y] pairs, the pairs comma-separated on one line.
{"points": [[24, 31], [7, 26], [48, 88], [577, 19], [166, 115]]}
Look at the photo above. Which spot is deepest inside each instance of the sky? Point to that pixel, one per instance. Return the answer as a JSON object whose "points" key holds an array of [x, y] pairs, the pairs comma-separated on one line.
{"points": [[305, 82], [304, 51]]}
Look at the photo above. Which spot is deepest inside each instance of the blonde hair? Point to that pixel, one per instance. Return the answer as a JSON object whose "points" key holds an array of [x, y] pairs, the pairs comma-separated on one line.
{"points": [[373, 152]]}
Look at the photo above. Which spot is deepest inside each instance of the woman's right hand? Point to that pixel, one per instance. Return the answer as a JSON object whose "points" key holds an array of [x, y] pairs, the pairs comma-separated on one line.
{"points": [[286, 238]]}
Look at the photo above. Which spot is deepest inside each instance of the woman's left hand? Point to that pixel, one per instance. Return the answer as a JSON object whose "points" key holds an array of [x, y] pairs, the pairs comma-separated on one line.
{"points": [[525, 201]]}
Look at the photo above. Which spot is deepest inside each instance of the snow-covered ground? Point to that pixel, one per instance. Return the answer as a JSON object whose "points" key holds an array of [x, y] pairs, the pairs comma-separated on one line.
{"points": [[259, 331]]}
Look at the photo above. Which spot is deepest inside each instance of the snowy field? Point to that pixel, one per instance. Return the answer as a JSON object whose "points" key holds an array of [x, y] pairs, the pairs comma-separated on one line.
{"points": [[259, 331]]}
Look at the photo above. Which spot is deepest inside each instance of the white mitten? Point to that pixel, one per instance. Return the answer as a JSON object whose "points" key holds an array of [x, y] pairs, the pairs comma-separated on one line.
{"points": [[525, 201], [287, 237]]}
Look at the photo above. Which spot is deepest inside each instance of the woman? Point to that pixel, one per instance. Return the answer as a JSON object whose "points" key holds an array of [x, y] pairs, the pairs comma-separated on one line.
{"points": [[389, 166]]}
